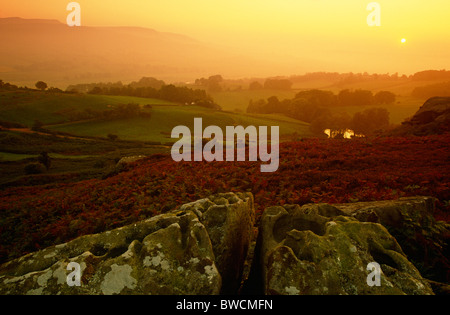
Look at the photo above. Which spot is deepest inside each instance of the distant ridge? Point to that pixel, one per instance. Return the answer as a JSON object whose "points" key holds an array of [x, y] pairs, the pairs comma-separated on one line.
{"points": [[19, 20], [40, 49]]}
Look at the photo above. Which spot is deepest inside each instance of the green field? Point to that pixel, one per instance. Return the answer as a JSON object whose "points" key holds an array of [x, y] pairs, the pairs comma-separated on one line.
{"points": [[25, 107], [72, 158], [164, 118], [55, 110]]}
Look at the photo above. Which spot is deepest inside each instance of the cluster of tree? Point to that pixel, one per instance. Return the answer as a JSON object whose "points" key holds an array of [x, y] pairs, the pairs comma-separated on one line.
{"points": [[431, 75], [350, 77], [346, 77], [271, 84], [314, 107], [298, 108], [40, 85], [212, 84], [364, 97], [8, 86], [148, 82], [305, 103], [366, 122], [152, 88], [122, 111], [144, 82], [439, 89], [88, 87], [334, 78], [277, 84]]}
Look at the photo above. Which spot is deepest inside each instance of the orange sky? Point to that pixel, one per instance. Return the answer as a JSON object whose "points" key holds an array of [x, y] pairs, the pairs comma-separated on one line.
{"points": [[299, 35]]}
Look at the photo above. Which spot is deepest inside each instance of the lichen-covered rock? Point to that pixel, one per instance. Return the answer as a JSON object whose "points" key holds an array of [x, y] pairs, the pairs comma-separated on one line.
{"points": [[203, 248], [411, 221], [229, 219], [393, 213], [317, 249], [173, 253], [167, 254]]}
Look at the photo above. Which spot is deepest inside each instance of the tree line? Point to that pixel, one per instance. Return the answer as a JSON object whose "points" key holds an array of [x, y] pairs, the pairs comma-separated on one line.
{"points": [[146, 87], [314, 107], [151, 88], [121, 111], [40, 85], [271, 84], [318, 98]]}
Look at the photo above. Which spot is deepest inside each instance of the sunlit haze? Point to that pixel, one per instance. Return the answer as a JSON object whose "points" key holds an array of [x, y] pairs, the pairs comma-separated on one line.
{"points": [[294, 36]]}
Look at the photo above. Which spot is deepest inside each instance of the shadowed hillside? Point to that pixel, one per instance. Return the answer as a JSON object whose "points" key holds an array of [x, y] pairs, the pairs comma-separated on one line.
{"points": [[433, 117]]}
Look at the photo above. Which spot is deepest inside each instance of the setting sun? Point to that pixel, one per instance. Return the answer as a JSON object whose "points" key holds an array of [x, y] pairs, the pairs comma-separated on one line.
{"points": [[403, 40]]}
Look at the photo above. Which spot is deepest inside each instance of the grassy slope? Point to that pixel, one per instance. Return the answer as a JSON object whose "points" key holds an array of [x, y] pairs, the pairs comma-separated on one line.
{"points": [[25, 107], [71, 159], [55, 109], [164, 119]]}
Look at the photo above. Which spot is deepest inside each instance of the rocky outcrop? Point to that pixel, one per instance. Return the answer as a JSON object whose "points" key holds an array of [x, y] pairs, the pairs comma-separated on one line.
{"points": [[125, 161], [206, 247], [433, 117], [411, 221], [318, 249], [186, 251]]}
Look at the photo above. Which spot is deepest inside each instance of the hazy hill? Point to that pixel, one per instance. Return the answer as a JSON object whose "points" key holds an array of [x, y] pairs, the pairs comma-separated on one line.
{"points": [[433, 117], [50, 50]]}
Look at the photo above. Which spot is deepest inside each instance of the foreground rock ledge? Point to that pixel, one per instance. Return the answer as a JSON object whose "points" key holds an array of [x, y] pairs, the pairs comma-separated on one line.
{"points": [[186, 251], [319, 249], [206, 247]]}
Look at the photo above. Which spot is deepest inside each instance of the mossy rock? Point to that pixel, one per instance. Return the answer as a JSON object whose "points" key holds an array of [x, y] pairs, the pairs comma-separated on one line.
{"points": [[304, 252]]}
